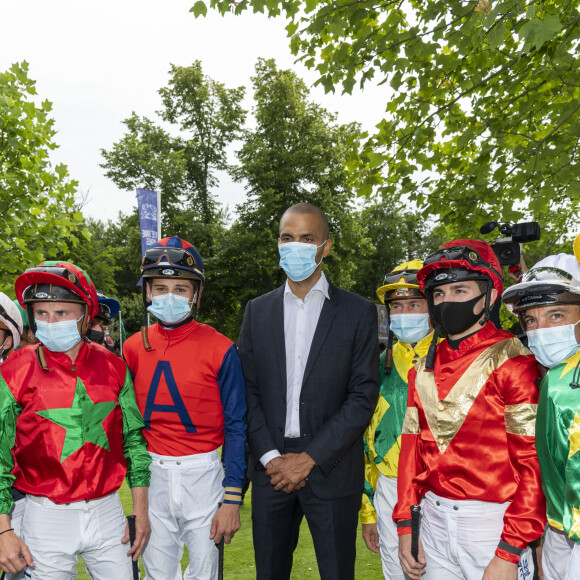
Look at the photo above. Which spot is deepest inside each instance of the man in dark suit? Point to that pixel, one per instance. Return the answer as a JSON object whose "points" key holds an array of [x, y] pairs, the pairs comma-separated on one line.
{"points": [[310, 359]]}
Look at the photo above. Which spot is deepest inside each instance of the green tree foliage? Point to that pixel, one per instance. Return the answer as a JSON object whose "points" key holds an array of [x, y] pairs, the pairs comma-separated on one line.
{"points": [[295, 153], [397, 236], [482, 99], [37, 206], [132, 313], [205, 118], [96, 255]]}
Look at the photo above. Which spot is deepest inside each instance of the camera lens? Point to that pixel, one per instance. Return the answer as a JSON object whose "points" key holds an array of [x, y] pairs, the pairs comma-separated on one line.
{"points": [[506, 254]]}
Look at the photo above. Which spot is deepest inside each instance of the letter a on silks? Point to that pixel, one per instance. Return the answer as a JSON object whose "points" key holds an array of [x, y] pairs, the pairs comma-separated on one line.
{"points": [[163, 369]]}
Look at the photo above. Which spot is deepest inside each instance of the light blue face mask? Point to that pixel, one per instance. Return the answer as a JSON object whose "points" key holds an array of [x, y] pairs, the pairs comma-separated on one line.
{"points": [[298, 259], [58, 336], [170, 308], [410, 328], [553, 345]]}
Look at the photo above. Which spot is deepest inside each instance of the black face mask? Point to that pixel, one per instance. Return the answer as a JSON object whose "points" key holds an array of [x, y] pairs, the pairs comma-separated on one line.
{"points": [[96, 336], [456, 317]]}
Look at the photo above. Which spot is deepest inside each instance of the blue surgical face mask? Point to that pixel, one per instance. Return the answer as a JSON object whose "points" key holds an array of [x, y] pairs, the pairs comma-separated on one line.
{"points": [[410, 328], [58, 336], [298, 259], [170, 308], [554, 344]]}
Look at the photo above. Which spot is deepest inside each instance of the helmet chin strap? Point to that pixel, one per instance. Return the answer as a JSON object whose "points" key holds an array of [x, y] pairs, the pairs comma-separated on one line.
{"points": [[85, 322], [5, 350], [430, 358], [487, 305], [197, 300]]}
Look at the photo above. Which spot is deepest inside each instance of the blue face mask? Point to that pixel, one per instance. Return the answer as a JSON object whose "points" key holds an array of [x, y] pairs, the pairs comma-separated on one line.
{"points": [[170, 308], [410, 328], [553, 345], [298, 259], [58, 336]]}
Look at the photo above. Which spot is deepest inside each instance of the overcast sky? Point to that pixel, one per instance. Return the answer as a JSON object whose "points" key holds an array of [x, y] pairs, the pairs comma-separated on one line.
{"points": [[99, 61]]}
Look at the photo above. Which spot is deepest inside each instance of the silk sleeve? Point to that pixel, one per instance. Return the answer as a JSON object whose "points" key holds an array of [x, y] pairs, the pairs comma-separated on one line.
{"points": [[368, 515], [134, 445], [525, 516], [410, 462], [232, 389], [9, 411], [571, 503]]}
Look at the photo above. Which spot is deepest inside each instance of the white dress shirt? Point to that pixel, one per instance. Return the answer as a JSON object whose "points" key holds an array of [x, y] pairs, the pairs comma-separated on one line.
{"points": [[300, 321]]}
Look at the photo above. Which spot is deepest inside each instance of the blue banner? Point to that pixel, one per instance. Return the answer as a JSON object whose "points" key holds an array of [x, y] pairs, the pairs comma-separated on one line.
{"points": [[149, 218]]}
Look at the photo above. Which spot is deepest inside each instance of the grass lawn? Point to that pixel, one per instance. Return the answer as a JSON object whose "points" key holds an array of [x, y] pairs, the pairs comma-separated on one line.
{"points": [[239, 555]]}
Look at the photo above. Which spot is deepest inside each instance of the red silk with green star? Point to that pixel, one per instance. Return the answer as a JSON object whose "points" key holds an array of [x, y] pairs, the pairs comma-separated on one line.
{"points": [[83, 421], [72, 433]]}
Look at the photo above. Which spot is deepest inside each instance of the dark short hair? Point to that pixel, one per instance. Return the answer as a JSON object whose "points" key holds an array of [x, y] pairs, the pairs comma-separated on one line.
{"points": [[308, 208]]}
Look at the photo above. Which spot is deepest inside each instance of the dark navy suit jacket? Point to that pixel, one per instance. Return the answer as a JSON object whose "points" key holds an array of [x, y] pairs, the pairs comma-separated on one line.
{"points": [[339, 390]]}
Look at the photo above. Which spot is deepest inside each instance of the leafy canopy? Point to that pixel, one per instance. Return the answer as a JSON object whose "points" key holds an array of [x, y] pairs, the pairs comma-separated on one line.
{"points": [[295, 153], [37, 205], [482, 98], [178, 155]]}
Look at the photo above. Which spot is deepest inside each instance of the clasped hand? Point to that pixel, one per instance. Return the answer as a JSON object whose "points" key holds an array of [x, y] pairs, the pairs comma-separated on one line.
{"points": [[289, 472]]}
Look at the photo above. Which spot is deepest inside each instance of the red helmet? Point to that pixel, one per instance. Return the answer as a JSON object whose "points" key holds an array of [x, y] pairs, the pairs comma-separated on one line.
{"points": [[57, 281], [475, 256], [457, 261]]}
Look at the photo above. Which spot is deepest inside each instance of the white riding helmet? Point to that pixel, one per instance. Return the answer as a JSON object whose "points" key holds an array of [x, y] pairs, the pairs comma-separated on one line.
{"points": [[555, 279], [10, 318]]}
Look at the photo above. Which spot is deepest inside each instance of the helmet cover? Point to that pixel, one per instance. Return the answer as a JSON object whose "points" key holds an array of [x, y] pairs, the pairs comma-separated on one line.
{"points": [[468, 260]]}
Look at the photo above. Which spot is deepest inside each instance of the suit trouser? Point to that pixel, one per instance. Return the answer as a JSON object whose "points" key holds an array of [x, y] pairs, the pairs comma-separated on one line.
{"points": [[557, 556], [460, 538], [276, 518], [384, 501]]}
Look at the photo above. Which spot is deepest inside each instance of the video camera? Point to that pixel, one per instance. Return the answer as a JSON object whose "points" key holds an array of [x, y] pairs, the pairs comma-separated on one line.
{"points": [[507, 249]]}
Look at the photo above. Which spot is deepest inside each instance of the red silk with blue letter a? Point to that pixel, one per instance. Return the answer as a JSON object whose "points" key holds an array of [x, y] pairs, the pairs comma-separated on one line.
{"points": [[176, 386], [164, 370]]}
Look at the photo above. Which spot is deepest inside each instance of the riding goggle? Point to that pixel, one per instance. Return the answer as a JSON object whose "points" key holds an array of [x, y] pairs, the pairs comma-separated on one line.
{"points": [[63, 273], [459, 253], [174, 256], [550, 280], [408, 276]]}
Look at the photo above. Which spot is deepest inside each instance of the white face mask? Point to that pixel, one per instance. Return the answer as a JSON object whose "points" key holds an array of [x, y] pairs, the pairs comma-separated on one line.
{"points": [[410, 328], [58, 336], [554, 344], [298, 259], [170, 308]]}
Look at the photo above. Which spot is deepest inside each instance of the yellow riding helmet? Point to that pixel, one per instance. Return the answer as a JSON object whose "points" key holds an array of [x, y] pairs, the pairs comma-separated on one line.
{"points": [[403, 276]]}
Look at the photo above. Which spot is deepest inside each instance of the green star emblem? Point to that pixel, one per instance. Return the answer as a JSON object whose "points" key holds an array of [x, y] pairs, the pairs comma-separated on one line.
{"points": [[83, 421]]}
